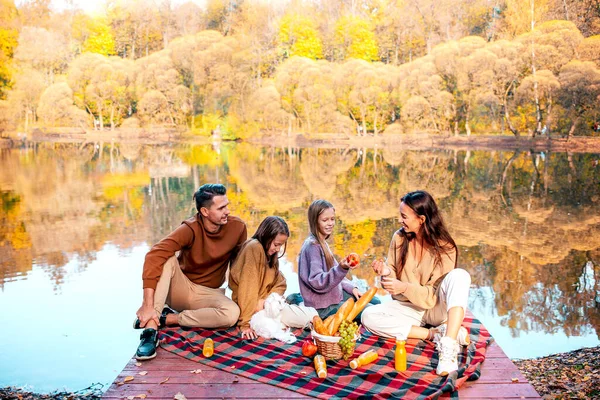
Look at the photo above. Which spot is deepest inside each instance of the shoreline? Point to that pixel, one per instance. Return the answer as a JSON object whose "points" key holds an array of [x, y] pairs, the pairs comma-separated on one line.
{"points": [[413, 141], [573, 374]]}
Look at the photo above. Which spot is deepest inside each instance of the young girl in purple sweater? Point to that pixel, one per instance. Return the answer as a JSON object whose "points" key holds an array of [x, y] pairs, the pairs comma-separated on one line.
{"points": [[323, 282]]}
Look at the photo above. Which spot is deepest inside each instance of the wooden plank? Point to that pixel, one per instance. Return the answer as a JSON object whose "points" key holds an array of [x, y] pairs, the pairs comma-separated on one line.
{"points": [[496, 381], [476, 390], [204, 391]]}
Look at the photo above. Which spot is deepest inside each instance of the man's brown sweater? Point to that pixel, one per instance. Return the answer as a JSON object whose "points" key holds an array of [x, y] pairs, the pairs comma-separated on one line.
{"points": [[203, 256]]}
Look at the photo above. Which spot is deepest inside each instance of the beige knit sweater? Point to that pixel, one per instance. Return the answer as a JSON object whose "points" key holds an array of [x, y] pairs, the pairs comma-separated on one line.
{"points": [[251, 279], [423, 278]]}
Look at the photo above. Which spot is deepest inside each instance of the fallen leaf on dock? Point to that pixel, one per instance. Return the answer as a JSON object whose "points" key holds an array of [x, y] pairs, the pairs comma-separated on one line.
{"points": [[196, 371], [128, 379], [142, 373], [514, 380], [163, 381], [138, 364], [179, 396], [235, 380]]}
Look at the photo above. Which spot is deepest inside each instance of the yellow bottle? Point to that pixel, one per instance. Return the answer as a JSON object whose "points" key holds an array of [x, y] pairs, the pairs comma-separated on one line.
{"points": [[320, 366], [365, 358], [400, 355], [208, 348]]}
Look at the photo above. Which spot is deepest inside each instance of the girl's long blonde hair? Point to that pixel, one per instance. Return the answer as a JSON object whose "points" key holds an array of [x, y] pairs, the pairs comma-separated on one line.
{"points": [[314, 210]]}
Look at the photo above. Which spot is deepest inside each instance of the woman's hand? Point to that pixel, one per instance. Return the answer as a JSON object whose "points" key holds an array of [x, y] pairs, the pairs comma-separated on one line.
{"points": [[260, 305], [380, 268], [393, 285], [357, 293], [248, 333]]}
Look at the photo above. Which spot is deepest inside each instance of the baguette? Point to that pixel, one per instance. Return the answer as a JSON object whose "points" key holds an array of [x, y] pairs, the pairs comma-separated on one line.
{"points": [[341, 315], [327, 322], [361, 303], [318, 325]]}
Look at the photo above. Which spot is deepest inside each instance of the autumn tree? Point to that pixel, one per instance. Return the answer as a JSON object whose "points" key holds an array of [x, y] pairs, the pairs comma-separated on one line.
{"points": [[162, 96], [134, 29], [299, 37], [8, 43], [589, 49], [56, 107], [398, 32], [580, 88], [110, 90], [548, 87], [43, 50], [95, 35], [266, 110], [188, 19], [257, 31], [24, 96], [354, 38]]}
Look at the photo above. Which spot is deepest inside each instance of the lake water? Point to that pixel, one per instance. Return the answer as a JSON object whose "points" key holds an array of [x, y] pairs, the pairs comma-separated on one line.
{"points": [[77, 219]]}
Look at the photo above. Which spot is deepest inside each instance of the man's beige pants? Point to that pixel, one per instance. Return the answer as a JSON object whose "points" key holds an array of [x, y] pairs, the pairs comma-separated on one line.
{"points": [[198, 306]]}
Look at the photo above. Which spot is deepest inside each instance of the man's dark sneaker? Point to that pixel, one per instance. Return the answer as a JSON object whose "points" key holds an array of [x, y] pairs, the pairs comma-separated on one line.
{"points": [[147, 348], [162, 319]]}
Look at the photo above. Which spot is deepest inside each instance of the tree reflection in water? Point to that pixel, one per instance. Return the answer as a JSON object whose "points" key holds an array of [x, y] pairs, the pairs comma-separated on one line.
{"points": [[527, 224]]}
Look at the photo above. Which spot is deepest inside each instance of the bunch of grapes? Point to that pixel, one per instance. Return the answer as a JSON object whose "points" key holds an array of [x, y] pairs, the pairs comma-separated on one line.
{"points": [[347, 332]]}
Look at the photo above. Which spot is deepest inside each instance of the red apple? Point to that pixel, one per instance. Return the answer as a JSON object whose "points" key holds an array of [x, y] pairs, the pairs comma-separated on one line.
{"points": [[309, 349], [353, 259]]}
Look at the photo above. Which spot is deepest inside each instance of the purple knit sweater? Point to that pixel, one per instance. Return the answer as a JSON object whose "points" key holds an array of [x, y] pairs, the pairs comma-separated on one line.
{"points": [[319, 286]]}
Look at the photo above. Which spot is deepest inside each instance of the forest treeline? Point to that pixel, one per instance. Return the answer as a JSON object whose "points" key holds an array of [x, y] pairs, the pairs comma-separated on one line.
{"points": [[243, 68]]}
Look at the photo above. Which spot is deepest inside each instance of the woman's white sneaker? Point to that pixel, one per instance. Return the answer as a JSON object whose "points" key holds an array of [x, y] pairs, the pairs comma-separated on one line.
{"points": [[462, 338], [448, 354]]}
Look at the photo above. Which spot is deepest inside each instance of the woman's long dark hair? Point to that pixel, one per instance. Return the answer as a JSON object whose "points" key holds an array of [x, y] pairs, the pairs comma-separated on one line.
{"points": [[314, 210], [267, 231], [433, 231]]}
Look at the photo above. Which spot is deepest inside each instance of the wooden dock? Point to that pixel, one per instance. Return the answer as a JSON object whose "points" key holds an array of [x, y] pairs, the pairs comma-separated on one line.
{"points": [[169, 374]]}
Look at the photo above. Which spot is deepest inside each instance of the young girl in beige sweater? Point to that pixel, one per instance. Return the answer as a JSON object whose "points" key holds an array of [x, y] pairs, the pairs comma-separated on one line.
{"points": [[255, 274]]}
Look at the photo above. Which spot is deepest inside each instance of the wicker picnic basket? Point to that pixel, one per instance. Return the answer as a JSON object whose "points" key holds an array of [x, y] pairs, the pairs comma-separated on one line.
{"points": [[328, 346]]}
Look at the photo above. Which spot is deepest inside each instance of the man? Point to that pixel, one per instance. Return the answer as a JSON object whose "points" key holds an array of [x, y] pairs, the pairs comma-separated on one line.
{"points": [[190, 283]]}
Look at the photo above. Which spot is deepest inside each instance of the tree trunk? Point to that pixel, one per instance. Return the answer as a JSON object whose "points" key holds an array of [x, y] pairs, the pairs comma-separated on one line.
{"points": [[506, 116], [364, 122], [538, 112], [375, 132], [101, 117], [572, 130], [467, 123], [112, 118]]}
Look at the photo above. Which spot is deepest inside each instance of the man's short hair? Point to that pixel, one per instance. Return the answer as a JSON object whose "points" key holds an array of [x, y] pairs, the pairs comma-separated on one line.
{"points": [[204, 195]]}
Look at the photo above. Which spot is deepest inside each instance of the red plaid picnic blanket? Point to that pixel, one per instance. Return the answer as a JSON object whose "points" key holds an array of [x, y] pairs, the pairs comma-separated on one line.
{"points": [[283, 365]]}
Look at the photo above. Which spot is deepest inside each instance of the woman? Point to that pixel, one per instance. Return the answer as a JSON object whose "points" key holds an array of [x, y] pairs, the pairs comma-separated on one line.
{"points": [[421, 275], [323, 282], [255, 274]]}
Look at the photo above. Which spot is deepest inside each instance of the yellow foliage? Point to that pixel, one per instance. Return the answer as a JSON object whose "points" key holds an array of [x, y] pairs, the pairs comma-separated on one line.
{"points": [[200, 155], [357, 238], [299, 37], [356, 37], [136, 179]]}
